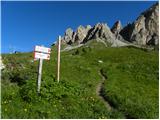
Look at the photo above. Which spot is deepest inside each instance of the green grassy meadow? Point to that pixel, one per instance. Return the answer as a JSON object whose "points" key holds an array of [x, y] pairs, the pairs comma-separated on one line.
{"points": [[131, 86]]}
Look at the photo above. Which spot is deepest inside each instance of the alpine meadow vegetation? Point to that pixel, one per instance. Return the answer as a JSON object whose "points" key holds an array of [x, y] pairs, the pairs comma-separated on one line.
{"points": [[130, 86]]}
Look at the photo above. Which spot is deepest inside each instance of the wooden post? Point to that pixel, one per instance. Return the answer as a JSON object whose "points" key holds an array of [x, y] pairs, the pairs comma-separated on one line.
{"points": [[39, 74], [58, 61]]}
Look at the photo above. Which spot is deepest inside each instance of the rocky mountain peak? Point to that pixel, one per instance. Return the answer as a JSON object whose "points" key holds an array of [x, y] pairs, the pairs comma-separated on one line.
{"points": [[117, 27], [68, 36], [88, 27], [101, 31], [81, 33], [143, 31]]}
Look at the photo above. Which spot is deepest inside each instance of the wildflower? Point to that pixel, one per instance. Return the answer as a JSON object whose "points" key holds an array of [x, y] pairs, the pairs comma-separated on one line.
{"points": [[25, 110], [100, 61], [103, 117]]}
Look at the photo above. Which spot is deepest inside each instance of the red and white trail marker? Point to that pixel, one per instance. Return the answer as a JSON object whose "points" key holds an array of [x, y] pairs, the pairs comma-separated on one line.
{"points": [[42, 49], [38, 55], [41, 52]]}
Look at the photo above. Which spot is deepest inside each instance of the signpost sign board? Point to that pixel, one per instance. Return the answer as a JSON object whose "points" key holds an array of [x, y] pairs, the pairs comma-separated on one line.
{"points": [[38, 55], [41, 52], [42, 49]]}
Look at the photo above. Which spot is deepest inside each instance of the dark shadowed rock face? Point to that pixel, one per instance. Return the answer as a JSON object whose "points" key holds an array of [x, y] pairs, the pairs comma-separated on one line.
{"points": [[126, 32]]}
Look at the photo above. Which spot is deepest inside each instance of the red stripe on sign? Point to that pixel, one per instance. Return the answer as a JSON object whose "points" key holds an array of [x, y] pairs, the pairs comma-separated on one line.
{"points": [[34, 57], [49, 50], [48, 57]]}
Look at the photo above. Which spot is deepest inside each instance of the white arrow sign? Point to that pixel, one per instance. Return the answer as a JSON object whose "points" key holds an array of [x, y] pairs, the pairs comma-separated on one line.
{"points": [[42, 49], [38, 55], [41, 53]]}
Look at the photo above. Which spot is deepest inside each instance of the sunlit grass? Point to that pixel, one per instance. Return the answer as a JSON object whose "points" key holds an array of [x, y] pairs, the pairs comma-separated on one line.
{"points": [[131, 85]]}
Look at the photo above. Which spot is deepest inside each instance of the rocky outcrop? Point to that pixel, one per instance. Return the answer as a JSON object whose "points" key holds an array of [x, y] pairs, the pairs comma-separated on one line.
{"points": [[71, 37], [81, 33], [117, 27], [145, 30], [102, 32], [68, 36]]}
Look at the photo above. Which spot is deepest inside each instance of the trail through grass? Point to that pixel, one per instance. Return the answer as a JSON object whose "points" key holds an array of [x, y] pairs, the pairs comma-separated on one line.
{"points": [[99, 91], [131, 86]]}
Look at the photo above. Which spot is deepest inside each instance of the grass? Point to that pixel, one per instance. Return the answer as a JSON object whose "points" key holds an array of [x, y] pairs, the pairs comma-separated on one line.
{"points": [[131, 85]]}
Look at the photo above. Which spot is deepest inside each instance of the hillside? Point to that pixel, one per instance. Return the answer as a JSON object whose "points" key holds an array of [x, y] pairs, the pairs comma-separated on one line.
{"points": [[106, 73], [130, 87]]}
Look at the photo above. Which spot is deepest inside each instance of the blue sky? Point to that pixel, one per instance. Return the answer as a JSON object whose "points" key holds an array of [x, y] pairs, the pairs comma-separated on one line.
{"points": [[26, 24]]}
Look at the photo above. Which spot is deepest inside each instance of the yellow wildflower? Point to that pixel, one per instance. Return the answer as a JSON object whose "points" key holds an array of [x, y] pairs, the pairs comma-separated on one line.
{"points": [[25, 110]]}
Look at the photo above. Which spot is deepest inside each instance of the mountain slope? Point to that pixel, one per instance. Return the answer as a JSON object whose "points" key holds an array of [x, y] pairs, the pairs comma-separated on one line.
{"points": [[127, 77], [131, 87]]}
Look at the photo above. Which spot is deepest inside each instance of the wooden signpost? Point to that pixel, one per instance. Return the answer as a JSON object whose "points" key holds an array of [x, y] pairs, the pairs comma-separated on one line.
{"points": [[41, 52], [58, 59], [39, 75]]}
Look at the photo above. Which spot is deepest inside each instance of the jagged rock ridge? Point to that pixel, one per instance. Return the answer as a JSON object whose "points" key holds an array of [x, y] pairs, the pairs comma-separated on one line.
{"points": [[100, 32], [144, 31]]}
